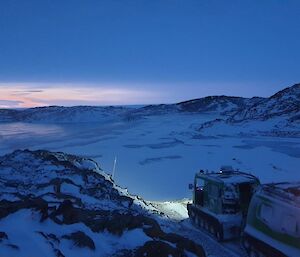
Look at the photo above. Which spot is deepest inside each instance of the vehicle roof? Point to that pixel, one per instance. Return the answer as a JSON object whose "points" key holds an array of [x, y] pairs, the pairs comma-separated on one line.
{"points": [[285, 190], [228, 177]]}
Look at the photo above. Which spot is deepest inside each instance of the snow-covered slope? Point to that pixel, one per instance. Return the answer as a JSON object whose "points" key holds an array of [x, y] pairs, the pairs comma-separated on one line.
{"points": [[284, 103], [54, 204], [278, 115]]}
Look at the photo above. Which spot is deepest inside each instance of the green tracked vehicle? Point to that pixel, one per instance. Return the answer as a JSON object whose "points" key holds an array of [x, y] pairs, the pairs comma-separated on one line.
{"points": [[221, 200], [273, 221]]}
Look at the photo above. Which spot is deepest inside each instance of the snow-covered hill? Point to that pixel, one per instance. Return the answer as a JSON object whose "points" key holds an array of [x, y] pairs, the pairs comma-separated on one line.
{"points": [[225, 105], [278, 115], [60, 114], [55, 204]]}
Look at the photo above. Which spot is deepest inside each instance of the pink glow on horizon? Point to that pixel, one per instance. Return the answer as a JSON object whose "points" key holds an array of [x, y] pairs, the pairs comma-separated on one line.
{"points": [[25, 95]]}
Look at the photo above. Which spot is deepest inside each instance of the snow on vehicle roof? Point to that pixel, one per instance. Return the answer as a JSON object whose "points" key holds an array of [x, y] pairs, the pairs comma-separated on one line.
{"points": [[229, 177], [290, 190]]}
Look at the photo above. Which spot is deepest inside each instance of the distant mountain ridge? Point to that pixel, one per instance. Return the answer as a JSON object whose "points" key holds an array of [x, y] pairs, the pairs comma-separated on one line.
{"points": [[62, 114], [284, 103]]}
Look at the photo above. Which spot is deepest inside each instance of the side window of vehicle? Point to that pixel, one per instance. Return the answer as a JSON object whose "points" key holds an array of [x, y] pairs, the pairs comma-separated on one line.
{"points": [[266, 213], [200, 184], [289, 224]]}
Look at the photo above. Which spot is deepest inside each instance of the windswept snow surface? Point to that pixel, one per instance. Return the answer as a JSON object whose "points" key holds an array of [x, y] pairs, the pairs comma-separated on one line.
{"points": [[25, 224]]}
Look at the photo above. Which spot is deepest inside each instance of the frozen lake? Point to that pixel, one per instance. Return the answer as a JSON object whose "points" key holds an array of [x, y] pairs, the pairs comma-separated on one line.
{"points": [[158, 156]]}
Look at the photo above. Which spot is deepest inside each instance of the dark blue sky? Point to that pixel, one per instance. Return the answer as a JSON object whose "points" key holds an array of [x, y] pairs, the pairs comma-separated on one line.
{"points": [[190, 48]]}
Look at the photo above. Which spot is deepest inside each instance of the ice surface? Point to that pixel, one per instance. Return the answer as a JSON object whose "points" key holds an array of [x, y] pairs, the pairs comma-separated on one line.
{"points": [[168, 150]]}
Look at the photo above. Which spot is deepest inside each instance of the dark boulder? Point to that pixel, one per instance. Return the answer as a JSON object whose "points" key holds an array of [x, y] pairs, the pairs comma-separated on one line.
{"points": [[81, 240], [3, 236], [158, 249], [69, 213]]}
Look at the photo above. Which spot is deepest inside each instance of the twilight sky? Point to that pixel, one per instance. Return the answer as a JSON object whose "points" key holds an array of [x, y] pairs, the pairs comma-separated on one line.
{"points": [[100, 52]]}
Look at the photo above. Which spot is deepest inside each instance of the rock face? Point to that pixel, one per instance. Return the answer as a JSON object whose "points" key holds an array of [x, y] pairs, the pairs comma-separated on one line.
{"points": [[64, 205]]}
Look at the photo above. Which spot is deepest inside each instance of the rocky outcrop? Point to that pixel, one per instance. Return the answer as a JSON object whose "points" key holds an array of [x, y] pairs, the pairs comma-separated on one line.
{"points": [[67, 191]]}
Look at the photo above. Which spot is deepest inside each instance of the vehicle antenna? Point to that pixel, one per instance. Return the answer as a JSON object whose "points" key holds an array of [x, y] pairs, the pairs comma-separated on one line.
{"points": [[114, 167]]}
